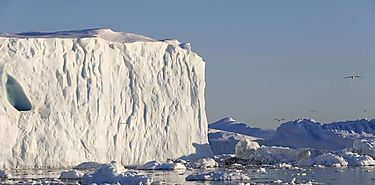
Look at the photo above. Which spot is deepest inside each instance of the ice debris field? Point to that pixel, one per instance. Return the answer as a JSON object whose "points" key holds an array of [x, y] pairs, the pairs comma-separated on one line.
{"points": [[97, 106]]}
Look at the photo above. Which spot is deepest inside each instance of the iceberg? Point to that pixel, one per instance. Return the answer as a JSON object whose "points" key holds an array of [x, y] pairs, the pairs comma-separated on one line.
{"points": [[71, 174], [223, 142], [364, 146], [169, 165], [231, 125], [97, 95], [307, 133], [223, 135]]}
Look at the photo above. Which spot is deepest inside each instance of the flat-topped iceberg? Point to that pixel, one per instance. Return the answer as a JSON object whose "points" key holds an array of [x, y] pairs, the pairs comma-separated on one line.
{"points": [[99, 95]]}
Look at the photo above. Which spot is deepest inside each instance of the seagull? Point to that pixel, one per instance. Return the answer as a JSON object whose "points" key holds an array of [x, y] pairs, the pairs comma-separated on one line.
{"points": [[279, 119], [352, 77]]}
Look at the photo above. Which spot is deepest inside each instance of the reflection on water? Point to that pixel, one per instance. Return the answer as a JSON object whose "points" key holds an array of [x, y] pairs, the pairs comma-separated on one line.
{"points": [[349, 176]]}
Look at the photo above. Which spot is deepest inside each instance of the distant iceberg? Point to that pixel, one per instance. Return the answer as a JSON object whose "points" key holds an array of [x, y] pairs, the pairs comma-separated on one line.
{"points": [[307, 133]]}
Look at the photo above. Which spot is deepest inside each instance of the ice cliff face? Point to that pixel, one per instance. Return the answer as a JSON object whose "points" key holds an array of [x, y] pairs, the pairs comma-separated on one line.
{"points": [[99, 95]]}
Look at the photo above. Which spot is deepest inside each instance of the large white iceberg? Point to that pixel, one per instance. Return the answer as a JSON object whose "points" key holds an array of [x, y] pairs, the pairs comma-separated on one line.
{"points": [[99, 95]]}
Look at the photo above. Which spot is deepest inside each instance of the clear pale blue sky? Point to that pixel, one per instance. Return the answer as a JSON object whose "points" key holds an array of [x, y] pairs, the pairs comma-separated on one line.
{"points": [[264, 59]]}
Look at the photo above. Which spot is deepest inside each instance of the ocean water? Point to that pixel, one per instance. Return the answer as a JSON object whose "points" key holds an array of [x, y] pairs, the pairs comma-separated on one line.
{"points": [[342, 176]]}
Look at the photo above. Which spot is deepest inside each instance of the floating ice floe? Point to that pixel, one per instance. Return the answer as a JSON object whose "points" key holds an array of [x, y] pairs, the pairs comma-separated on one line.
{"points": [[250, 150], [292, 182], [217, 176], [203, 163], [261, 170], [355, 159], [255, 154], [113, 173], [71, 174], [223, 157], [283, 166], [364, 146], [88, 165], [330, 159], [170, 165], [278, 181], [338, 159], [38, 181], [246, 148]]}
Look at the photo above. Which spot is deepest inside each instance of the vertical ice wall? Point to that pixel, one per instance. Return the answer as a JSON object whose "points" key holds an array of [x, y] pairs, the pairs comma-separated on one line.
{"points": [[98, 95]]}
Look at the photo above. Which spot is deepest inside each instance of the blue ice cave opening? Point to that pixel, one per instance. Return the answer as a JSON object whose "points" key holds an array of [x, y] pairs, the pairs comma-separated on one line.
{"points": [[16, 96]]}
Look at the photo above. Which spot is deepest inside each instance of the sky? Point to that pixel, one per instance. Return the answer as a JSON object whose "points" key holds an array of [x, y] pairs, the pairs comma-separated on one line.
{"points": [[265, 59]]}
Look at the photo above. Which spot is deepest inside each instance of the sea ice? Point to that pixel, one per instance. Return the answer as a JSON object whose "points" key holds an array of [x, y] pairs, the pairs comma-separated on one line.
{"points": [[203, 163], [71, 174], [330, 159], [355, 159], [364, 146], [217, 176], [114, 173], [153, 165], [250, 151]]}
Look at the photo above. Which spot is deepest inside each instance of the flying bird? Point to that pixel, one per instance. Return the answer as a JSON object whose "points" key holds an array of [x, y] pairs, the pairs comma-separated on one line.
{"points": [[279, 120], [352, 77]]}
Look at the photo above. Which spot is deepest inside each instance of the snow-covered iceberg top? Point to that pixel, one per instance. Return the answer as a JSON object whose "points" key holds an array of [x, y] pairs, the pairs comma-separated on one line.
{"points": [[103, 33]]}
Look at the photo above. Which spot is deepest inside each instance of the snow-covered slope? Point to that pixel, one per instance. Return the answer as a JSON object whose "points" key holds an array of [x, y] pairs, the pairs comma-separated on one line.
{"points": [[231, 125], [99, 95], [333, 136]]}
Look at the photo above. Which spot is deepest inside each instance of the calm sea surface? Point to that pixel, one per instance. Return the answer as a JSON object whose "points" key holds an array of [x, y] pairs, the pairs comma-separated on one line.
{"points": [[342, 176]]}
